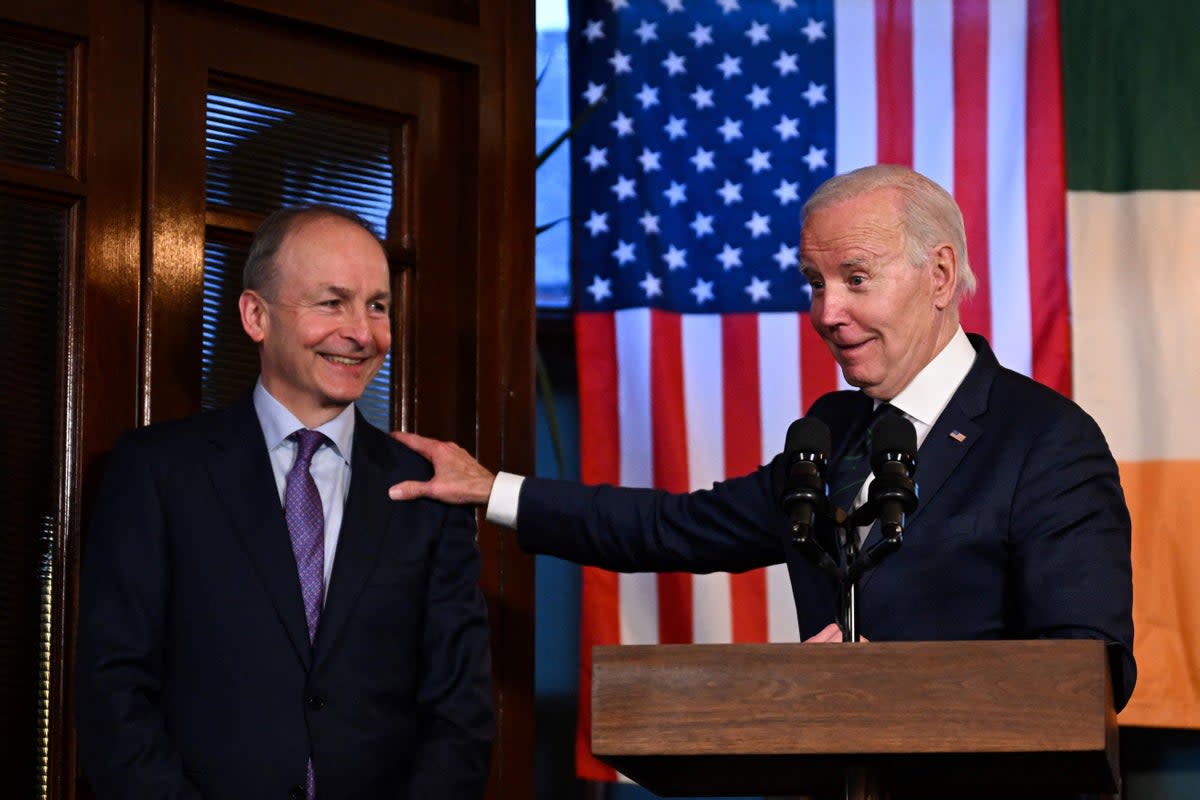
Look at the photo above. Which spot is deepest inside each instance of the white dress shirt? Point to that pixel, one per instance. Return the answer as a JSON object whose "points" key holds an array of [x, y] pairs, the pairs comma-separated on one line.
{"points": [[928, 394]]}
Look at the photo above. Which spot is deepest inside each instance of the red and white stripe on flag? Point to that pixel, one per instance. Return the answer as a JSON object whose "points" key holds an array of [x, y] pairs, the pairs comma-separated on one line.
{"points": [[967, 92]]}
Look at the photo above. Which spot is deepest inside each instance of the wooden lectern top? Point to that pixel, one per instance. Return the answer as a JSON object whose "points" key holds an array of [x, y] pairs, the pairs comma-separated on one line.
{"points": [[1004, 716]]}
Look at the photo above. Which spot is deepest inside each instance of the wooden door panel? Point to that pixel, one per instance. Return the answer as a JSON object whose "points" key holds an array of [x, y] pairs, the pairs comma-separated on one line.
{"points": [[198, 48], [86, 378]]}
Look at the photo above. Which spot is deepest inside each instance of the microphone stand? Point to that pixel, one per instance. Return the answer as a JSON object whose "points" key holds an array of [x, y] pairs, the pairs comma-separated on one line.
{"points": [[857, 561], [861, 781], [852, 562], [846, 540], [890, 497]]}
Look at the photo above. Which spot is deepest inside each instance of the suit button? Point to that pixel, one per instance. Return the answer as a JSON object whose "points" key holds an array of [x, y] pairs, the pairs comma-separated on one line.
{"points": [[316, 702], [296, 793]]}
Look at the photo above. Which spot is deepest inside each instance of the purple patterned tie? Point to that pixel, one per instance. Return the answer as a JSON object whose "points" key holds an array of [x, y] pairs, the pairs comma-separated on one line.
{"points": [[306, 526]]}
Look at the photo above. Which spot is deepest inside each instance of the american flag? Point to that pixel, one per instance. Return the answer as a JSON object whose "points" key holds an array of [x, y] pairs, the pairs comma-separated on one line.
{"points": [[710, 123]]}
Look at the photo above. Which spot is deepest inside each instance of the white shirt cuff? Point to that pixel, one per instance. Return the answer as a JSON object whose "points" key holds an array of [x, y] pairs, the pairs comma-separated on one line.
{"points": [[502, 504]]}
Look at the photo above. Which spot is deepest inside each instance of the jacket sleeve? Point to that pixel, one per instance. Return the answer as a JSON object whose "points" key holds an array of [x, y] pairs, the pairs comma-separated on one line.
{"points": [[1071, 544], [123, 742], [734, 526], [455, 695]]}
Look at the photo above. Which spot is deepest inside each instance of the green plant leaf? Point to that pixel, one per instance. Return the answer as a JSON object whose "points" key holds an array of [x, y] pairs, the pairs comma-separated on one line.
{"points": [[543, 228], [547, 392], [576, 124]]}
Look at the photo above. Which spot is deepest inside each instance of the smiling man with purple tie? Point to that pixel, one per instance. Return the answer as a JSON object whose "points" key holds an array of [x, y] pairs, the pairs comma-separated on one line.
{"points": [[257, 619]]}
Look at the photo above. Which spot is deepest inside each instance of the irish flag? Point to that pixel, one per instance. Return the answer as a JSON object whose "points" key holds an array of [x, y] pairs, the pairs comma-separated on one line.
{"points": [[1132, 112]]}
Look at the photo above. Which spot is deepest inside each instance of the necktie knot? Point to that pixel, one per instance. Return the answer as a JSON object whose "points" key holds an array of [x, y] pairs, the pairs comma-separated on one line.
{"points": [[881, 411], [307, 443], [851, 472]]}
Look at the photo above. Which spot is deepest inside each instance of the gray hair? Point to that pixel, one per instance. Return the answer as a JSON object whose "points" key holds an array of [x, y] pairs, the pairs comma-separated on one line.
{"points": [[929, 214], [261, 270]]}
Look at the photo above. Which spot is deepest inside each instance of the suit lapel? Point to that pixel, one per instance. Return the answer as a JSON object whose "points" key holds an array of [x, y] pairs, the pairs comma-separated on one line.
{"points": [[953, 434], [365, 522], [240, 470]]}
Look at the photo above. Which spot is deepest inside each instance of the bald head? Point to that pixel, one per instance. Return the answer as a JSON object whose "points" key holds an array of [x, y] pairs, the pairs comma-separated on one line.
{"points": [[261, 269]]}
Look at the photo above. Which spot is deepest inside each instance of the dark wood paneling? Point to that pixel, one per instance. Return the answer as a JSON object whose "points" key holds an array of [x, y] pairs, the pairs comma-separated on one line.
{"points": [[56, 16], [447, 28], [54, 182], [102, 184], [113, 116], [173, 272], [505, 328]]}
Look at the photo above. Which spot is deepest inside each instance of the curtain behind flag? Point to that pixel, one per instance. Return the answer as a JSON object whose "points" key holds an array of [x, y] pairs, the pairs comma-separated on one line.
{"points": [[714, 120]]}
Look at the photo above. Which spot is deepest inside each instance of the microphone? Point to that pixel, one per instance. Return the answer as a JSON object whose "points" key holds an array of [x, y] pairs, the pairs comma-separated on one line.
{"points": [[803, 499], [893, 493]]}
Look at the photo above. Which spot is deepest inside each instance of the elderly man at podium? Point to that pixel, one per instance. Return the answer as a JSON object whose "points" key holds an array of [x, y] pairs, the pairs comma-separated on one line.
{"points": [[1021, 531]]}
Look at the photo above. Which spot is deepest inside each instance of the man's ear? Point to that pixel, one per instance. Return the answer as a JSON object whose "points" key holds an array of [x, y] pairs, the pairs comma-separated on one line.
{"points": [[944, 275], [254, 313]]}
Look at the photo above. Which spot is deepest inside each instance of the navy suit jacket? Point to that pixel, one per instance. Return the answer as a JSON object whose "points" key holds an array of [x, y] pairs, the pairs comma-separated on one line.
{"points": [[195, 674], [1021, 530]]}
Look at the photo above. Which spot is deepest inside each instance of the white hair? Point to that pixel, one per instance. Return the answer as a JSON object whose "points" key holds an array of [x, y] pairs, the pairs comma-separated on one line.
{"points": [[929, 215]]}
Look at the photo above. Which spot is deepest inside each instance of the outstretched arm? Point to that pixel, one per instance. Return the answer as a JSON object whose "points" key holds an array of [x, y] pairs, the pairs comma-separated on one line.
{"points": [[457, 477]]}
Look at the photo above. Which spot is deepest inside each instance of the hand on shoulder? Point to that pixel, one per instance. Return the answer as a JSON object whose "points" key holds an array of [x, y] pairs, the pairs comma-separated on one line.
{"points": [[457, 479]]}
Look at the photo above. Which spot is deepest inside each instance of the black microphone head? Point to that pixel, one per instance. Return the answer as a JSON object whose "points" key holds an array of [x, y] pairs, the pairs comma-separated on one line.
{"points": [[806, 452], [893, 439], [808, 435]]}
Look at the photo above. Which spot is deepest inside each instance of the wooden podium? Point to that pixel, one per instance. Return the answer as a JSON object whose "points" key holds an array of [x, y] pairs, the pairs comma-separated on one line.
{"points": [[875, 718]]}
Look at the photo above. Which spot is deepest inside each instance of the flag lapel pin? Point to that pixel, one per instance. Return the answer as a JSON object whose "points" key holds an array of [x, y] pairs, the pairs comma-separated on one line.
{"points": [[958, 436]]}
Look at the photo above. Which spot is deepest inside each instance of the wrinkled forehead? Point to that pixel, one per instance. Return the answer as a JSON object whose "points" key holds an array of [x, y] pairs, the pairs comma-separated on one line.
{"points": [[330, 243], [319, 227], [884, 204], [857, 227]]}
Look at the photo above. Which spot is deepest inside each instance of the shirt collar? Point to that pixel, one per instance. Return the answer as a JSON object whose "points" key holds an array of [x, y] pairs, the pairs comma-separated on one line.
{"points": [[928, 394], [278, 423]]}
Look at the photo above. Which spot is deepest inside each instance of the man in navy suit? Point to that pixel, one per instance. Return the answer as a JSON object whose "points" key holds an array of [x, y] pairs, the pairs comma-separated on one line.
{"points": [[257, 618], [1021, 529]]}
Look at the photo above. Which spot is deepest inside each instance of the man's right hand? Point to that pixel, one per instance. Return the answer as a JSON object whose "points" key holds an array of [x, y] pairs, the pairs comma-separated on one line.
{"points": [[457, 477], [830, 633]]}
